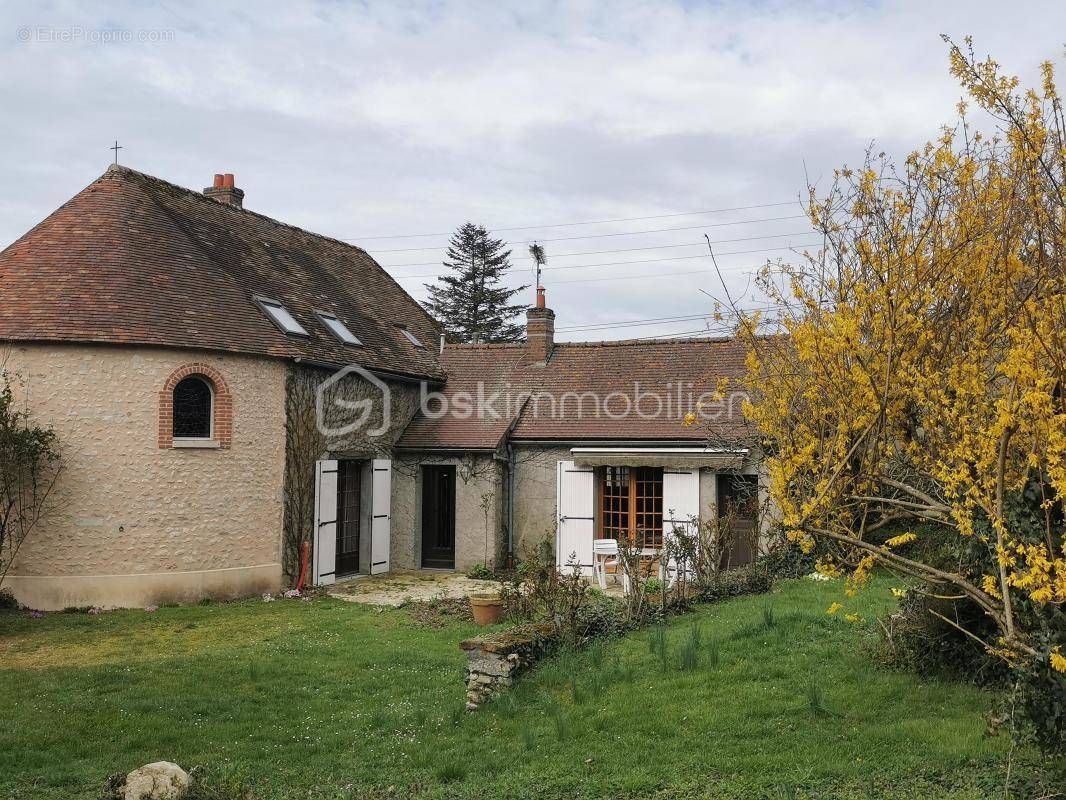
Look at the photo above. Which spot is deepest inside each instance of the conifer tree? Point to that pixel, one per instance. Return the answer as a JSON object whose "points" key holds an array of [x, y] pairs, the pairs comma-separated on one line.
{"points": [[470, 302]]}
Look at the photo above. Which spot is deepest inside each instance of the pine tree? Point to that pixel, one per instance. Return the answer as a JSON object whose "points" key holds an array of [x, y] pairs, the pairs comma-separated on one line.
{"points": [[470, 302]]}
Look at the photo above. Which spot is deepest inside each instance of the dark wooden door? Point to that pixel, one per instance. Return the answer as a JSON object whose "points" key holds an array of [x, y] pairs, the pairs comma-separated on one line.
{"points": [[438, 517], [738, 496], [349, 490]]}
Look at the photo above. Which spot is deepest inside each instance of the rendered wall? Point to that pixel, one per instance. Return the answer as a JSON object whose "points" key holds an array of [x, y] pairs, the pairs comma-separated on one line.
{"points": [[479, 498]]}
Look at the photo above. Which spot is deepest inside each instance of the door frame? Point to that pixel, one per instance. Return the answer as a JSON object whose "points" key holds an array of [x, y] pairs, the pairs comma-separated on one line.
{"points": [[424, 527], [350, 469]]}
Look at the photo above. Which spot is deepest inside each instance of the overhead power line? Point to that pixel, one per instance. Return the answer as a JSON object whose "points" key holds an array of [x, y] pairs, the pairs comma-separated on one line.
{"points": [[709, 330], [702, 244], [634, 322], [660, 320], [587, 222], [620, 263], [605, 235]]}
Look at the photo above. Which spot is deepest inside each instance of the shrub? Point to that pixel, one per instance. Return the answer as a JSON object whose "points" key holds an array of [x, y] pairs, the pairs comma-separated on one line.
{"points": [[8, 601], [601, 616], [537, 591], [30, 466], [654, 586], [481, 572], [749, 579]]}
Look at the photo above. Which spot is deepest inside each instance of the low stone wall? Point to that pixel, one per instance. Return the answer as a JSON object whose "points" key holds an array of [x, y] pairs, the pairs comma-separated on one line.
{"points": [[496, 659]]}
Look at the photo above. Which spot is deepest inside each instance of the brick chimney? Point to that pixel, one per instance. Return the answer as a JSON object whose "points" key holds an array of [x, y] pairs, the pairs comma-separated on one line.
{"points": [[224, 191], [540, 331]]}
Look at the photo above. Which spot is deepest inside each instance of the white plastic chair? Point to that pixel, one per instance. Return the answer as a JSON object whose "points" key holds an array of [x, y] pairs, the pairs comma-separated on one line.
{"points": [[604, 554]]}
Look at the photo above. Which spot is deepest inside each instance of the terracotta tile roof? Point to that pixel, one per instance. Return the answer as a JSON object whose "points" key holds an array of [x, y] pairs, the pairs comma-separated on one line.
{"points": [[604, 378], [496, 368], [132, 259]]}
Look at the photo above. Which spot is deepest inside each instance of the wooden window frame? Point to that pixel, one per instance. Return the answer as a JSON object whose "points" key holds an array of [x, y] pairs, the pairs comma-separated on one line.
{"points": [[633, 502]]}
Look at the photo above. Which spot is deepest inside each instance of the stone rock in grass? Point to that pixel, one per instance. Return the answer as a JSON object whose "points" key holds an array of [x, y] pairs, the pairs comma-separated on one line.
{"points": [[162, 780]]}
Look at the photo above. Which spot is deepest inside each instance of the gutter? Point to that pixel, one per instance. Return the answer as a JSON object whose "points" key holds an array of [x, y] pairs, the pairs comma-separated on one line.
{"points": [[399, 377], [613, 443]]}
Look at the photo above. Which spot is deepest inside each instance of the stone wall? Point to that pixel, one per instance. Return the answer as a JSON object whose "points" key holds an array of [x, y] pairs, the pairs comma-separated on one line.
{"points": [[479, 499], [495, 660], [344, 433], [135, 524]]}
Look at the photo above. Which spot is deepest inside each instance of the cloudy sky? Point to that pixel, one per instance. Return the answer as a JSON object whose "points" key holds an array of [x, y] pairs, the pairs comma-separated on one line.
{"points": [[405, 119]]}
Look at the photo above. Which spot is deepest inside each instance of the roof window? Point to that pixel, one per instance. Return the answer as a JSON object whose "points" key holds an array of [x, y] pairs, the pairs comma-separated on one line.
{"points": [[338, 328], [280, 316], [411, 337]]}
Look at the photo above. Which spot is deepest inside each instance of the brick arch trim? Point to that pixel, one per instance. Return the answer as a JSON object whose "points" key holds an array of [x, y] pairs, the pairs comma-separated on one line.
{"points": [[221, 408]]}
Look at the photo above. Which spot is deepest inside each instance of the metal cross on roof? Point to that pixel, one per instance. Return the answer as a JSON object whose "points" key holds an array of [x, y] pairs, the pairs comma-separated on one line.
{"points": [[116, 148]]}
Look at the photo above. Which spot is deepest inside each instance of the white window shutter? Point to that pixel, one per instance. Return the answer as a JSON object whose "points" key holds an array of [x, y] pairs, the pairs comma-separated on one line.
{"points": [[381, 515], [681, 497], [575, 498], [681, 502], [325, 553]]}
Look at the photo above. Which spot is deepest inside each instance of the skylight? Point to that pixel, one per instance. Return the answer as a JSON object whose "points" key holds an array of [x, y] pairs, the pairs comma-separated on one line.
{"points": [[411, 337], [338, 328], [280, 316]]}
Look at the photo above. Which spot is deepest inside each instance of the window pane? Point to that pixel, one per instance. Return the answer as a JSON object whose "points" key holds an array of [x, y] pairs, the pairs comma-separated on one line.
{"points": [[411, 337], [632, 504], [192, 409], [339, 329], [286, 321]]}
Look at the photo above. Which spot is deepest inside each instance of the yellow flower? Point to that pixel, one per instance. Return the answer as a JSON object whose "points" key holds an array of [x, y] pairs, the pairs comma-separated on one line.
{"points": [[853, 618], [690, 419], [991, 587], [833, 608], [902, 539], [899, 592], [1058, 661]]}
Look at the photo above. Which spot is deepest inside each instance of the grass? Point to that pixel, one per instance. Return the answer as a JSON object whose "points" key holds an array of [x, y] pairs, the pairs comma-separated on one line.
{"points": [[754, 698]]}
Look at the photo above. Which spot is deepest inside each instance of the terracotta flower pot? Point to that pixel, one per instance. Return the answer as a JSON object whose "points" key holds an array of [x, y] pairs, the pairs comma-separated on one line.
{"points": [[487, 608]]}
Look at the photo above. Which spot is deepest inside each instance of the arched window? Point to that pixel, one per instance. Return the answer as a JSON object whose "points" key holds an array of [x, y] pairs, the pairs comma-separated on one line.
{"points": [[195, 409], [193, 400]]}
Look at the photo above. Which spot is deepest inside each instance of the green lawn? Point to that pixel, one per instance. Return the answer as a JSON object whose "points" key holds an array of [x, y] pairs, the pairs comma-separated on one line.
{"points": [[334, 700]]}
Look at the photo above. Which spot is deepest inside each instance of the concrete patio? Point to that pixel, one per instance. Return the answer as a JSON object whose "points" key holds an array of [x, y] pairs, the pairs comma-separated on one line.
{"points": [[393, 588]]}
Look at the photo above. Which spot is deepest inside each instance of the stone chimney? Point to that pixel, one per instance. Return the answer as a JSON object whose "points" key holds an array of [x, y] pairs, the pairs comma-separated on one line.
{"points": [[540, 331], [224, 191]]}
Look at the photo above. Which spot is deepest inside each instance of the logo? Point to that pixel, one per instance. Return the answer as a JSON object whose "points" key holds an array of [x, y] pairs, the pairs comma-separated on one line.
{"points": [[349, 414]]}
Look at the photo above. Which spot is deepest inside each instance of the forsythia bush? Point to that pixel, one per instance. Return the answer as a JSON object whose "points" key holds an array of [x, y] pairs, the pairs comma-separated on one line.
{"points": [[921, 372]]}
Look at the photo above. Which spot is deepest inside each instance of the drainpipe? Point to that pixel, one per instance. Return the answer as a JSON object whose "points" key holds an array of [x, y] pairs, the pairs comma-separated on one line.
{"points": [[511, 462], [510, 505]]}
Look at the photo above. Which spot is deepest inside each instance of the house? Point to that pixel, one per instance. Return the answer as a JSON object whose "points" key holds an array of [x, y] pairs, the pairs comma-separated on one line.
{"points": [[227, 387]]}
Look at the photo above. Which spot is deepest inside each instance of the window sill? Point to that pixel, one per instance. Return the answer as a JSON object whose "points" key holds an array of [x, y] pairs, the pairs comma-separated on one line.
{"points": [[197, 444]]}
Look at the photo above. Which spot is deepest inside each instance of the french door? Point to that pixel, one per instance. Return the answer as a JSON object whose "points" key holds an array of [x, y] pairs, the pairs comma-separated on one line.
{"points": [[630, 504]]}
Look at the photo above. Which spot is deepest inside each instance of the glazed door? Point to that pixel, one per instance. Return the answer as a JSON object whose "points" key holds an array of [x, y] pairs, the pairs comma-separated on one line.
{"points": [[438, 517], [349, 491]]}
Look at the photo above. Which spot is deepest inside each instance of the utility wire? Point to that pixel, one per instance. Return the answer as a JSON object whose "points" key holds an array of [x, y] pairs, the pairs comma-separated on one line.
{"points": [[604, 235], [660, 320], [620, 263], [554, 256], [588, 222], [634, 323]]}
